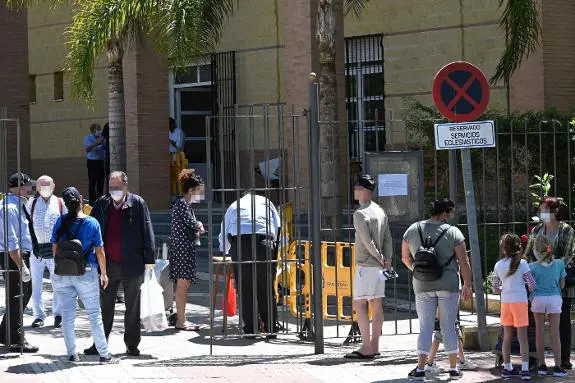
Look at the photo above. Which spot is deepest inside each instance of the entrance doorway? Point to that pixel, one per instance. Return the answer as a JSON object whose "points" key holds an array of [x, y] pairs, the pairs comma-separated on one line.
{"points": [[193, 102]]}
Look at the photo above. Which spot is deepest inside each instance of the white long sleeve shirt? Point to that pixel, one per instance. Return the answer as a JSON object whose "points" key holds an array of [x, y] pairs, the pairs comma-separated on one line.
{"points": [[45, 216], [257, 215]]}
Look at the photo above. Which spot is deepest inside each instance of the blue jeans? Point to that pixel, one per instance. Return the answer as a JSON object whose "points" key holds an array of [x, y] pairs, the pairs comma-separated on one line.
{"points": [[87, 287]]}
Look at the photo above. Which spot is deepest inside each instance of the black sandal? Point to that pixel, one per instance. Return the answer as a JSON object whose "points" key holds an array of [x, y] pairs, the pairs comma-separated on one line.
{"points": [[357, 355]]}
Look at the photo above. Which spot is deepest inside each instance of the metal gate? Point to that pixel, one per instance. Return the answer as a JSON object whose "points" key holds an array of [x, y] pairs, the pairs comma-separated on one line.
{"points": [[15, 294], [223, 130]]}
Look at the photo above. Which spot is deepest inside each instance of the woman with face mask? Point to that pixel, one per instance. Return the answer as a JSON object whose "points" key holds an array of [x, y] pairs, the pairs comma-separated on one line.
{"points": [[184, 238], [562, 239]]}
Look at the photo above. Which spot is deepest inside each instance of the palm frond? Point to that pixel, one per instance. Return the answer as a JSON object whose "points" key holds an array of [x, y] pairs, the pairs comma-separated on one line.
{"points": [[520, 23], [96, 23], [357, 7], [188, 30]]}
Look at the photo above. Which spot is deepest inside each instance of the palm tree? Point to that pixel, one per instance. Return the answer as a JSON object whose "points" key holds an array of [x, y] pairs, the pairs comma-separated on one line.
{"points": [[182, 31], [519, 21]]}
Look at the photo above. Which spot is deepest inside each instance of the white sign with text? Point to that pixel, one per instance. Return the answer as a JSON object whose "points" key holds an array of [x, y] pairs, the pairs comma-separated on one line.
{"points": [[465, 135], [391, 185]]}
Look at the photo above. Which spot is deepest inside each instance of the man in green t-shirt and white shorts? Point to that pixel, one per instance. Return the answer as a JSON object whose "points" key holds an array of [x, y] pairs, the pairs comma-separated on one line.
{"points": [[373, 251]]}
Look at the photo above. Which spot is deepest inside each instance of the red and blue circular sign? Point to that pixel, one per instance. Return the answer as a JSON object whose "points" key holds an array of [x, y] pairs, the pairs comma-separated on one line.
{"points": [[460, 92]]}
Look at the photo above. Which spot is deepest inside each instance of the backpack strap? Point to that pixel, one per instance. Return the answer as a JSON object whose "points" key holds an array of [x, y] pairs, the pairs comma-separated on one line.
{"points": [[420, 233], [33, 208], [440, 236]]}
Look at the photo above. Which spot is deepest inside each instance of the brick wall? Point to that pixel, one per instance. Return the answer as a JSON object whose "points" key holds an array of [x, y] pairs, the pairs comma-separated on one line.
{"points": [[14, 81], [147, 113], [558, 44]]}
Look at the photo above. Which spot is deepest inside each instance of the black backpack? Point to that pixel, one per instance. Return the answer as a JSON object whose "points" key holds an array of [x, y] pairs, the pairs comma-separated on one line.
{"points": [[426, 266], [70, 259]]}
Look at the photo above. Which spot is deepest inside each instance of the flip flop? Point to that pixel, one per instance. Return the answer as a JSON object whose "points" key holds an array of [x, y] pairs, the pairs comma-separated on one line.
{"points": [[357, 355], [188, 327]]}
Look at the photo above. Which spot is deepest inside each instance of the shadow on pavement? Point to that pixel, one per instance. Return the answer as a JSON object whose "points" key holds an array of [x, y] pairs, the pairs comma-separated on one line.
{"points": [[230, 341], [225, 360], [56, 364]]}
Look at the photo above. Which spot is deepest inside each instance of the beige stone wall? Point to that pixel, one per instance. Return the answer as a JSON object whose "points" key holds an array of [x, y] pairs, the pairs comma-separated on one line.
{"points": [[58, 127], [420, 38]]}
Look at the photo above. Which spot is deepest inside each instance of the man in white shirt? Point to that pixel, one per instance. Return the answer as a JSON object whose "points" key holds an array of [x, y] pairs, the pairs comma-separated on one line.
{"points": [[44, 209], [176, 137], [250, 223]]}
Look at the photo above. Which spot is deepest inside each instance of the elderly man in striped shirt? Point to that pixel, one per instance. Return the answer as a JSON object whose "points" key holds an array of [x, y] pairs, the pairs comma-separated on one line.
{"points": [[44, 209]]}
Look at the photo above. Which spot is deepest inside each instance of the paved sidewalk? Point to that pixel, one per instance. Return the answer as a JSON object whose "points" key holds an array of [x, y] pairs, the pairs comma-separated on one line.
{"points": [[187, 357]]}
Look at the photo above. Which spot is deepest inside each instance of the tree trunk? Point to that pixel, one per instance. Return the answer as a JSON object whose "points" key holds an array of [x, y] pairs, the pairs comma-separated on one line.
{"points": [[116, 106], [328, 115]]}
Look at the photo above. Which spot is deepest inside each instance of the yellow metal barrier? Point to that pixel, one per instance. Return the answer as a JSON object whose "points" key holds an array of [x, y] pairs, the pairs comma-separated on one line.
{"points": [[338, 270], [283, 269]]}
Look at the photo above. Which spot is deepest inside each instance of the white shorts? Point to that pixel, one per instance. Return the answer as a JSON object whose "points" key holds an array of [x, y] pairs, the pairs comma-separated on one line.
{"points": [[547, 305], [368, 283]]}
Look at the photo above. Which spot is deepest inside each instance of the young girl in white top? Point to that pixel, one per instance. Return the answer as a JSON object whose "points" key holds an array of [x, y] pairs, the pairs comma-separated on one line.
{"points": [[549, 275], [511, 274]]}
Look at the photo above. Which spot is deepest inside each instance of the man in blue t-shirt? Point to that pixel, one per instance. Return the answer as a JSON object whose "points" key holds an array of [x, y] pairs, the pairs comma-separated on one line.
{"points": [[95, 146]]}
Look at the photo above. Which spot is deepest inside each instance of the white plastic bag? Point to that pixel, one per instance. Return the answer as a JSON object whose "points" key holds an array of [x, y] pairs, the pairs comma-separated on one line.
{"points": [[152, 311]]}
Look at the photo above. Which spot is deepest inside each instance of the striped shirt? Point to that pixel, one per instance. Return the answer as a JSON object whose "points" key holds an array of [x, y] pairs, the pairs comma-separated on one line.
{"points": [[45, 216]]}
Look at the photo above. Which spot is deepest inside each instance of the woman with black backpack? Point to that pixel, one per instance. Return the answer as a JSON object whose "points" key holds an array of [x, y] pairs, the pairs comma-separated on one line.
{"points": [[78, 251]]}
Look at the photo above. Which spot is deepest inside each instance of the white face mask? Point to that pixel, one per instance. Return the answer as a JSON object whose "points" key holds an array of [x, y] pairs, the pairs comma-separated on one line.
{"points": [[117, 195], [46, 191], [545, 217], [196, 198]]}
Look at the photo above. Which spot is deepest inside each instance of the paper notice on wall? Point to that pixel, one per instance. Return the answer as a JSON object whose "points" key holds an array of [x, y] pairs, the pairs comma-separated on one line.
{"points": [[390, 185]]}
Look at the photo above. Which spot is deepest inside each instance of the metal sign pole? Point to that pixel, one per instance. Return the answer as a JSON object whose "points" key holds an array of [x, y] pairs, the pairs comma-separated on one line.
{"points": [[475, 251], [316, 215]]}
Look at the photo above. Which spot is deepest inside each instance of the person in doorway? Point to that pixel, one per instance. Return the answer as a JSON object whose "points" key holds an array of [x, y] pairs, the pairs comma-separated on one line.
{"points": [[18, 251], [76, 225], [95, 146], [129, 242], [438, 285], [106, 135], [176, 137], [511, 274], [258, 228], [184, 238], [374, 250], [562, 237], [44, 210]]}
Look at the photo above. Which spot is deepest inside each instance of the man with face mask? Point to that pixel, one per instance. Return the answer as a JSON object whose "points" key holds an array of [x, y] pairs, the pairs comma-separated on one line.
{"points": [[129, 244], [17, 251], [44, 210], [95, 146], [373, 249]]}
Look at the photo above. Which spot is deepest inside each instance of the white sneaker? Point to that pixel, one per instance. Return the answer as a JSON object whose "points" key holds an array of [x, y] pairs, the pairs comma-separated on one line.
{"points": [[433, 368], [466, 365]]}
